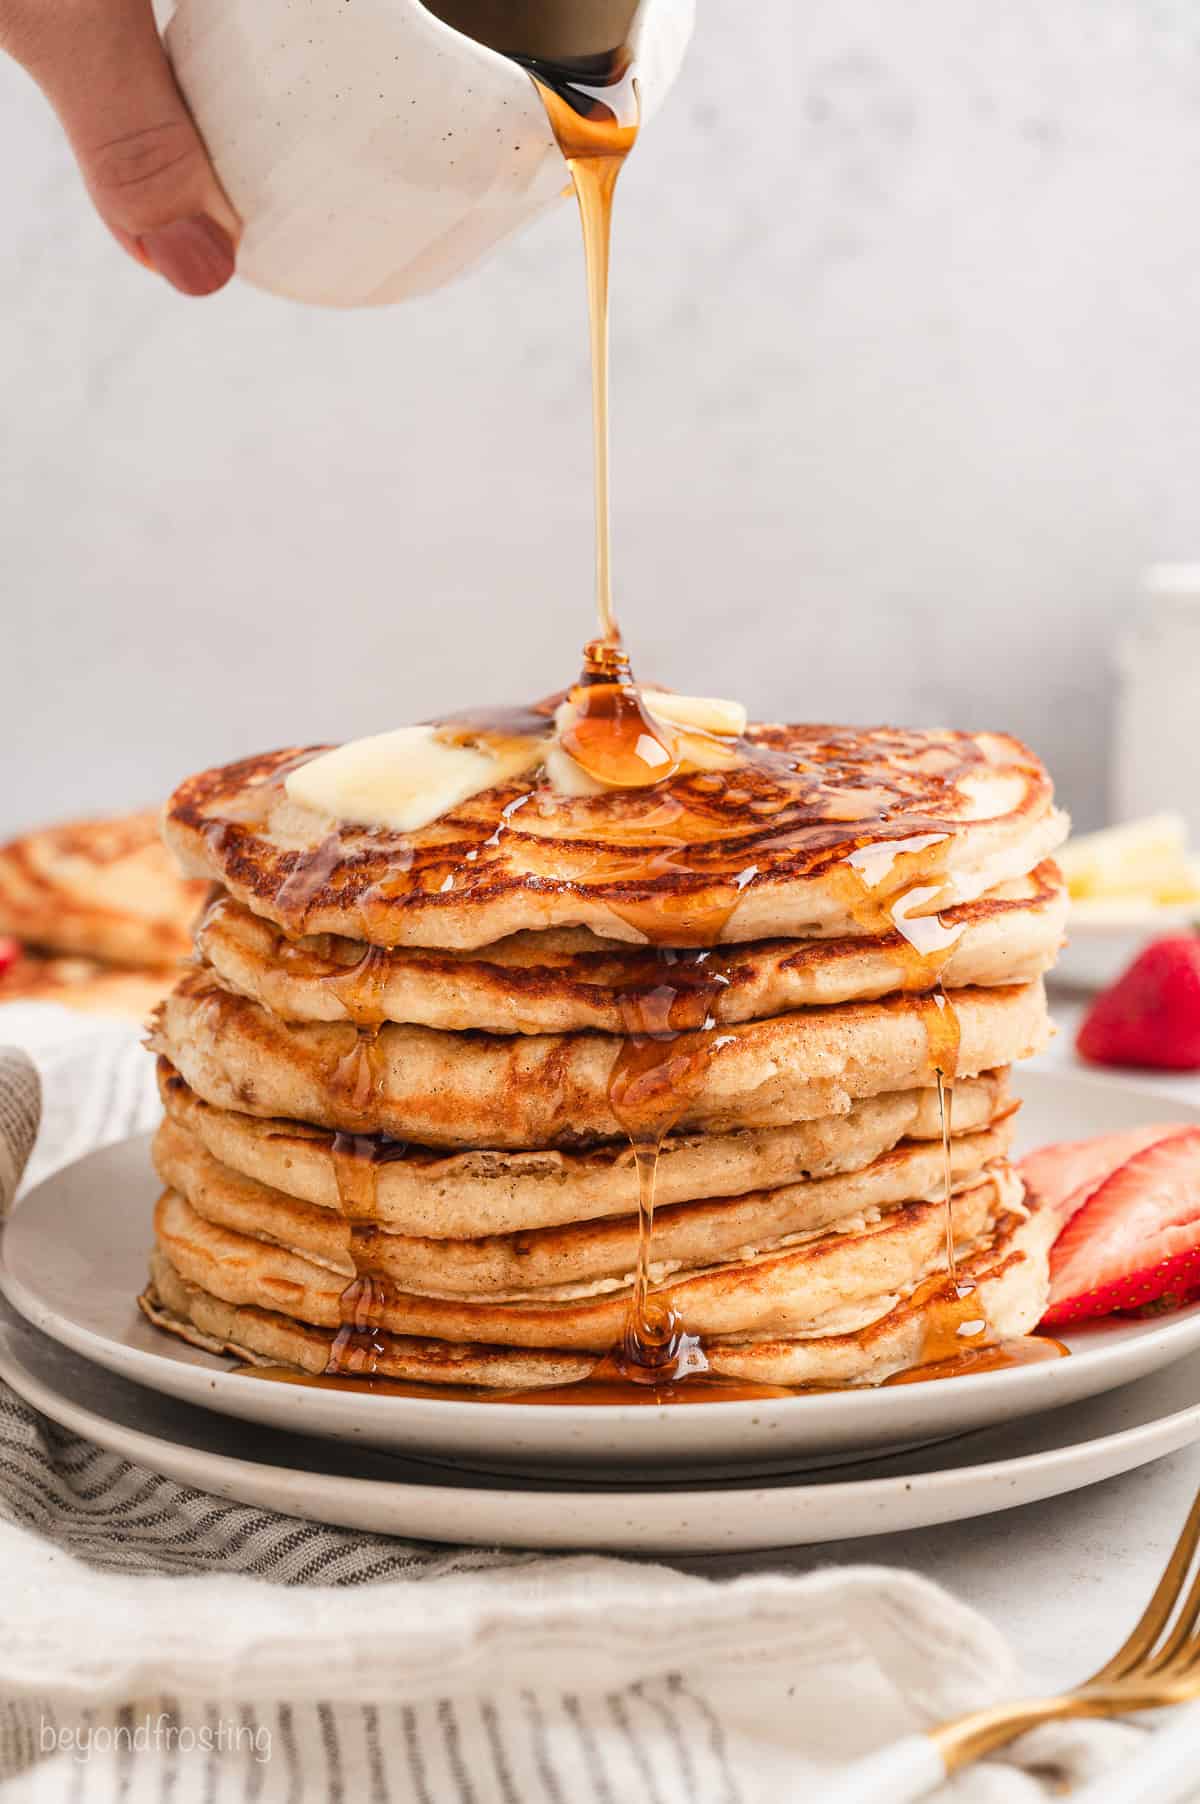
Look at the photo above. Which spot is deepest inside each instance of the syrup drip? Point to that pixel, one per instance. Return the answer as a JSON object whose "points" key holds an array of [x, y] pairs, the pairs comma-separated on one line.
{"points": [[924, 945], [356, 1174], [593, 109], [669, 1039], [614, 737], [357, 1348], [944, 1038], [354, 1084], [959, 1341], [669, 1030]]}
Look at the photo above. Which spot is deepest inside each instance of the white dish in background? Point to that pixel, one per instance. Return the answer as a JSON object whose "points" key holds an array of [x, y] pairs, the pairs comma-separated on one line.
{"points": [[1021, 1462], [74, 1257], [1104, 937]]}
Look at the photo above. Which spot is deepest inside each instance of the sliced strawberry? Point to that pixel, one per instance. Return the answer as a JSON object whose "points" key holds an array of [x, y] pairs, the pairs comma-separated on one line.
{"points": [[1136, 1239], [1063, 1176], [1157, 1292], [10, 952], [1151, 1015]]}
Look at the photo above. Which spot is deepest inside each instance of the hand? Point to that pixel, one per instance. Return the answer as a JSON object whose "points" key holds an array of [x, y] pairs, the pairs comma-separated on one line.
{"points": [[102, 66]]}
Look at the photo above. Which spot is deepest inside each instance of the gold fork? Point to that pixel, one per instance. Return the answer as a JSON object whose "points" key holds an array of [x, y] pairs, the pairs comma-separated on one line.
{"points": [[1158, 1664]]}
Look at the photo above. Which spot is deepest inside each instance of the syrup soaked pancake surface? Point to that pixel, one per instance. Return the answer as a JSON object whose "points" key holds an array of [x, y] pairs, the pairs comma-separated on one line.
{"points": [[531, 1090], [420, 1192], [772, 847], [554, 981]]}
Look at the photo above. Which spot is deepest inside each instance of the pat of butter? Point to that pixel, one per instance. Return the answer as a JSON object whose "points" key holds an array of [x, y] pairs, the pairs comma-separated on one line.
{"points": [[698, 713], [407, 778], [567, 777]]}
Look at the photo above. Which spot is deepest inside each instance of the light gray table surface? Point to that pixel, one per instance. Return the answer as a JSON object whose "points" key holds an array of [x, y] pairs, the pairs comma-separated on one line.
{"points": [[1064, 1579]]}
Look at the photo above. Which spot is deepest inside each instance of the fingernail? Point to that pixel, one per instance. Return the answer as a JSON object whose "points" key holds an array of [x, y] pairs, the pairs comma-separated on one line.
{"points": [[194, 255]]}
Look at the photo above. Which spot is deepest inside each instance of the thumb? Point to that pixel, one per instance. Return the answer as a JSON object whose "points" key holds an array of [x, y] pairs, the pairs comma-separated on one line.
{"points": [[103, 68]]}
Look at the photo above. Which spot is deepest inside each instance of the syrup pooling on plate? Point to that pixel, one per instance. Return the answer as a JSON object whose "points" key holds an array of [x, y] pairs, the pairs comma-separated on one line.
{"points": [[608, 1384]]}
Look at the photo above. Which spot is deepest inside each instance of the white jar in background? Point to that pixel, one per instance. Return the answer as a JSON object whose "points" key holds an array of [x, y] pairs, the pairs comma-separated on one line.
{"points": [[1157, 754]]}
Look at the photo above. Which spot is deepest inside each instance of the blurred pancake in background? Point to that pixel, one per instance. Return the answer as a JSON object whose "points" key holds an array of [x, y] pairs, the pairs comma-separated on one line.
{"points": [[80, 983], [93, 914]]}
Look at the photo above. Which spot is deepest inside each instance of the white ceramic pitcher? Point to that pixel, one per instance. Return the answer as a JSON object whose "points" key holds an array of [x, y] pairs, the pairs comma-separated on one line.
{"points": [[372, 151]]}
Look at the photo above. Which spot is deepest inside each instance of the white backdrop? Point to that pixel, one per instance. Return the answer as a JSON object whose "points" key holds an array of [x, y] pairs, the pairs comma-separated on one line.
{"points": [[906, 360]]}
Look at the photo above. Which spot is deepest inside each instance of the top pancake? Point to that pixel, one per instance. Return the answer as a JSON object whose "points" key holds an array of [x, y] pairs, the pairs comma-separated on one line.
{"points": [[816, 834], [105, 889]]}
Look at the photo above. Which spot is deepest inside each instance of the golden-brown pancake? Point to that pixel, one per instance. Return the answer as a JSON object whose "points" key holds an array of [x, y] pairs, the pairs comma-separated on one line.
{"points": [[264, 1337], [816, 833], [531, 1090], [102, 889], [557, 981], [434, 1194], [1008, 1268], [686, 1235]]}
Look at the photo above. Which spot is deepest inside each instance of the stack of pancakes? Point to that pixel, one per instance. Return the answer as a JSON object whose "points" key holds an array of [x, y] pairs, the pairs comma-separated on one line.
{"points": [[102, 916], [391, 1143]]}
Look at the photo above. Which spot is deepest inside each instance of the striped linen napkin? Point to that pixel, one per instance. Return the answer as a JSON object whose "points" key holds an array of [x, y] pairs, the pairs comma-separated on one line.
{"points": [[160, 1643]]}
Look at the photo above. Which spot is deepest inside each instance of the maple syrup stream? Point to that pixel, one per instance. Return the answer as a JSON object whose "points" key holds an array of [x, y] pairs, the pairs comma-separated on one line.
{"points": [[594, 116], [593, 110]]}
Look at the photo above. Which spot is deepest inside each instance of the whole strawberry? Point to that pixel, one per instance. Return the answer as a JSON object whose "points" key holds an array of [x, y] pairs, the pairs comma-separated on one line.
{"points": [[1151, 1015]]}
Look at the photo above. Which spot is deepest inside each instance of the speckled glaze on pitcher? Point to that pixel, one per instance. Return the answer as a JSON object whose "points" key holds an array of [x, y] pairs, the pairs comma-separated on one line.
{"points": [[373, 151]]}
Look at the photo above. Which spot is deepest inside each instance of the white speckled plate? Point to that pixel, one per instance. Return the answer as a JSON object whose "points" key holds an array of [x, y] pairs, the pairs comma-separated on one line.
{"points": [[998, 1468], [74, 1258]]}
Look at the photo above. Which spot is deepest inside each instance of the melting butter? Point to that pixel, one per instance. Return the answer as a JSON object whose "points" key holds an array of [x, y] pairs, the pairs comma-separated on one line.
{"points": [[697, 713], [405, 779], [410, 777]]}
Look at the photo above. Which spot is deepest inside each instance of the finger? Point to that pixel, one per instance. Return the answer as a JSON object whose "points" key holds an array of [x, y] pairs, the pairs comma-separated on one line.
{"points": [[104, 70]]}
